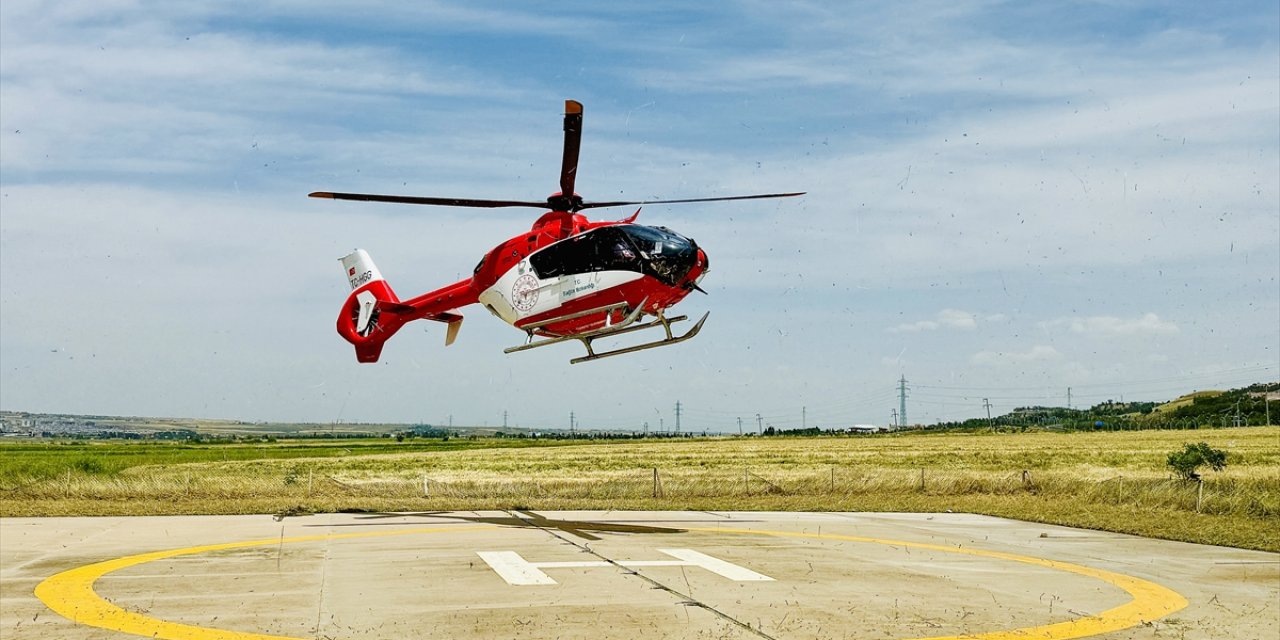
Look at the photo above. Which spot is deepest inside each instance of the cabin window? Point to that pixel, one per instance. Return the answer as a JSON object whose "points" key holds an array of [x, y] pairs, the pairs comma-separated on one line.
{"points": [[603, 249]]}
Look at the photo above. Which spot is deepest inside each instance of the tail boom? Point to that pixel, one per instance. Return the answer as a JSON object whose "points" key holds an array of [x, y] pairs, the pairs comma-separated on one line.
{"points": [[373, 313]]}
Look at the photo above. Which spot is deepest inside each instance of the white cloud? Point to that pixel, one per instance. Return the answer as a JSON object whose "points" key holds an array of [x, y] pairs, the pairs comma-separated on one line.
{"points": [[1038, 353], [911, 327], [957, 319], [1148, 324], [948, 319]]}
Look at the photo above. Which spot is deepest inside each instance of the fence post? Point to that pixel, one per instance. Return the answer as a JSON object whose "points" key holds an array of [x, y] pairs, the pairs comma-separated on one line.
{"points": [[922, 478], [1026, 479], [833, 479], [426, 486], [1199, 493], [657, 484]]}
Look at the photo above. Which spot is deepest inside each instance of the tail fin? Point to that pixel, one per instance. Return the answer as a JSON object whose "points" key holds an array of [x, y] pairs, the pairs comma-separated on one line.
{"points": [[372, 313]]}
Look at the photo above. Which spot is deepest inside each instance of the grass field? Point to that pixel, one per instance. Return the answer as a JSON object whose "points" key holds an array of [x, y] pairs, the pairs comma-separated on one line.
{"points": [[22, 463], [1112, 481]]}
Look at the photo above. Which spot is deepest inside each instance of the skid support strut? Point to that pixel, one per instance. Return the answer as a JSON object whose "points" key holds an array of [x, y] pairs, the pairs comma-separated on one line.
{"points": [[627, 325]]}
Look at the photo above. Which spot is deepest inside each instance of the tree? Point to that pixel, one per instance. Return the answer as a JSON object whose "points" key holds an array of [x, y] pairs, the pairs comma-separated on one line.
{"points": [[1192, 456]]}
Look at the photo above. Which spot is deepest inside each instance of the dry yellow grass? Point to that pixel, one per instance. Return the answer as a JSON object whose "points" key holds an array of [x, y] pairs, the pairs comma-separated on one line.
{"points": [[1112, 481]]}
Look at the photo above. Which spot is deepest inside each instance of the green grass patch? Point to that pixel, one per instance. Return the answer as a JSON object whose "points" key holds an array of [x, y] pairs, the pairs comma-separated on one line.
{"points": [[22, 463]]}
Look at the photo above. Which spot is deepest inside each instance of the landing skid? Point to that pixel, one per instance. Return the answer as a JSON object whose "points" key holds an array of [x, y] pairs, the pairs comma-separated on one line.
{"points": [[626, 325]]}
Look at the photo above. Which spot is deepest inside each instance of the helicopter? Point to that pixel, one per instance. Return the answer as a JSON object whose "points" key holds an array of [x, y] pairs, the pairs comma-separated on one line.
{"points": [[567, 278]]}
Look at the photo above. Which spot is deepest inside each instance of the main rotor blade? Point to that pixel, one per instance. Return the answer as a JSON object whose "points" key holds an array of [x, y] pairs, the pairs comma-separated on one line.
{"points": [[447, 202], [572, 144], [597, 205]]}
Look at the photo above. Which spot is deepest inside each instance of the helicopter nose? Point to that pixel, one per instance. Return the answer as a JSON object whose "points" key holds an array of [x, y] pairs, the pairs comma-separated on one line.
{"points": [[695, 266], [699, 270]]}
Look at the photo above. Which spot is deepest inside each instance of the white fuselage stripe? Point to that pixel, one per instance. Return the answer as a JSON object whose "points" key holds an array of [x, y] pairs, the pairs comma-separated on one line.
{"points": [[519, 293]]}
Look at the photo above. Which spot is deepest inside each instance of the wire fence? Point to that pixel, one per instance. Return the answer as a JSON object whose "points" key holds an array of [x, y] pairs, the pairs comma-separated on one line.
{"points": [[1253, 495]]}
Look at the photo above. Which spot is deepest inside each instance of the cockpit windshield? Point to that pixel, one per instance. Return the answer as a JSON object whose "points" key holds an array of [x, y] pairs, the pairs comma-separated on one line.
{"points": [[657, 240], [668, 256]]}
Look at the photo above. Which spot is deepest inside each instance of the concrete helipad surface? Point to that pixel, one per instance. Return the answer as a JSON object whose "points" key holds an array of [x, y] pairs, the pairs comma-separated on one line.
{"points": [[620, 575]]}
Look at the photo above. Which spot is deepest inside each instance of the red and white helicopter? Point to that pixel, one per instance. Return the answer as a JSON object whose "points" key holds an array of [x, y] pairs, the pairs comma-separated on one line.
{"points": [[567, 278]]}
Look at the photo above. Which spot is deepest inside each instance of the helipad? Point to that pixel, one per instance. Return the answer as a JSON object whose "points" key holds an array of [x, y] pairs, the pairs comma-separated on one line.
{"points": [[620, 575]]}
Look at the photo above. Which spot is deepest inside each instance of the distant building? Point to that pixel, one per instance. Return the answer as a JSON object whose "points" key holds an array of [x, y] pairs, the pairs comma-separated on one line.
{"points": [[867, 428]]}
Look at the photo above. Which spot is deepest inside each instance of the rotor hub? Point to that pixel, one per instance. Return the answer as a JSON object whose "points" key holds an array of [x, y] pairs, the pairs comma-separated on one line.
{"points": [[560, 202]]}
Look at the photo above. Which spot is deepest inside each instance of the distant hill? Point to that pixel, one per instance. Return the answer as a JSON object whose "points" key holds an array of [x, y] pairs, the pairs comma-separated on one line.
{"points": [[1246, 406], [1185, 400], [1236, 407]]}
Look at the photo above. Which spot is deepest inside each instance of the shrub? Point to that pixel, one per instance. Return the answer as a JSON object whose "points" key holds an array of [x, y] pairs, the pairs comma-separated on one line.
{"points": [[1192, 456]]}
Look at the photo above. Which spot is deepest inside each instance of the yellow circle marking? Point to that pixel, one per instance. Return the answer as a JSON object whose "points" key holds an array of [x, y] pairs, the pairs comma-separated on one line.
{"points": [[71, 595], [1150, 600]]}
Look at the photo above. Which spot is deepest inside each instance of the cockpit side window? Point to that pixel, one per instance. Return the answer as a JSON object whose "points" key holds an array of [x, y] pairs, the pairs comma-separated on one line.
{"points": [[603, 249]]}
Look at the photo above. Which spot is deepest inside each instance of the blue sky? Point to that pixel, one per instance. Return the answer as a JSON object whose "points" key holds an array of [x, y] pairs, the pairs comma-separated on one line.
{"points": [[1004, 200]]}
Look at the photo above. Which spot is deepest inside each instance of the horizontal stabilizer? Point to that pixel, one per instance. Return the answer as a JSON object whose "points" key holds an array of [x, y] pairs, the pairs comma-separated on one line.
{"points": [[396, 307]]}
